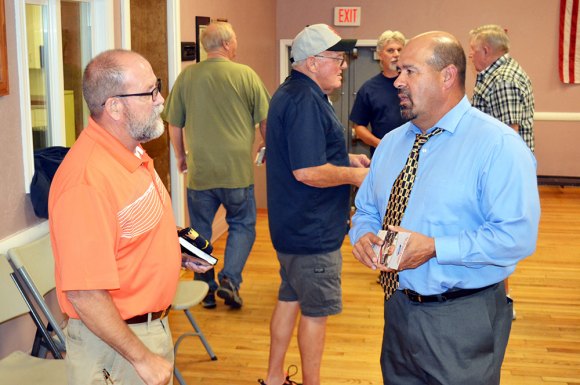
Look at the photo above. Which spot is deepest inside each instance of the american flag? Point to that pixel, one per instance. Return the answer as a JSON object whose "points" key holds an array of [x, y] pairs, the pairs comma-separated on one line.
{"points": [[569, 56]]}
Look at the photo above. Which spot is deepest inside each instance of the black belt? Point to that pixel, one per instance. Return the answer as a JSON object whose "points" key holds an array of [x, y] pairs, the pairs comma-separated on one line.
{"points": [[138, 319], [416, 297]]}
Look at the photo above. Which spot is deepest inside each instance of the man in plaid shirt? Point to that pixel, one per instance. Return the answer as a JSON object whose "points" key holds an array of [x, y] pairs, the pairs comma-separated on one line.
{"points": [[502, 88]]}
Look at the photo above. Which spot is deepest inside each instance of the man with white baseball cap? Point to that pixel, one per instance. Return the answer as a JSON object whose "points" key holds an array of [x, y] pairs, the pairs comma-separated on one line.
{"points": [[309, 175]]}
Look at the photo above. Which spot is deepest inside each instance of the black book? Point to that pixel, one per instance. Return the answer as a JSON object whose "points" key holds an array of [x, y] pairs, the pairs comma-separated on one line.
{"points": [[195, 245]]}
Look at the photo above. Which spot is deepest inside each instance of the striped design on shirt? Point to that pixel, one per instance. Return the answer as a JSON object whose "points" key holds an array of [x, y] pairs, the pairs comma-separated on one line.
{"points": [[144, 213]]}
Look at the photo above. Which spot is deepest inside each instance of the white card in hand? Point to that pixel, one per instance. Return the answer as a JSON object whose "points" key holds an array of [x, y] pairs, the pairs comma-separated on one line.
{"points": [[391, 251]]}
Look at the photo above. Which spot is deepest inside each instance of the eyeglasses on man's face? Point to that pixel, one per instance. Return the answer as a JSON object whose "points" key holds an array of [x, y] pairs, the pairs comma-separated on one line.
{"points": [[152, 93], [340, 59]]}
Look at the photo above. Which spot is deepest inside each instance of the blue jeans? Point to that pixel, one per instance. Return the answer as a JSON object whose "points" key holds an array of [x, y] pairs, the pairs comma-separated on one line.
{"points": [[240, 208]]}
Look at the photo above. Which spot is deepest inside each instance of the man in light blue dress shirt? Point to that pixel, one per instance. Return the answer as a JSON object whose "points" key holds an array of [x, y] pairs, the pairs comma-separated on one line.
{"points": [[473, 213]]}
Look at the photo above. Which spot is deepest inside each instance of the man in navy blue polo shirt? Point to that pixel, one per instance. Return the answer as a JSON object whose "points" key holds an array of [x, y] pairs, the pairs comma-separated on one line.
{"points": [[309, 173]]}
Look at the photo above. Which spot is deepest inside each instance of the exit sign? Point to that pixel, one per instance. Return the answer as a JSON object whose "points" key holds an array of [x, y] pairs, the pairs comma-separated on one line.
{"points": [[347, 16]]}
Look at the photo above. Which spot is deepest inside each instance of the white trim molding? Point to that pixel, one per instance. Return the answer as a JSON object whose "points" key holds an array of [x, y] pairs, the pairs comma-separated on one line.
{"points": [[557, 116], [284, 58], [173, 70], [125, 10], [23, 237], [102, 16], [55, 97], [24, 87]]}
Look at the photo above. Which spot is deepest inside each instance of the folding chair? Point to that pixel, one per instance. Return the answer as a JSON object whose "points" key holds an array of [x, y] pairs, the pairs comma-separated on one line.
{"points": [[33, 265], [189, 294], [19, 367]]}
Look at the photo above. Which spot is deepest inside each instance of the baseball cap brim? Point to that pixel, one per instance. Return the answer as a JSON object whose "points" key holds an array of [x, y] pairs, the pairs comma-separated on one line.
{"points": [[343, 45]]}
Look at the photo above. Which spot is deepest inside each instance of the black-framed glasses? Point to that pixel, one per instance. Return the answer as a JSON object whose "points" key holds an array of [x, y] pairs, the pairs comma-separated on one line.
{"points": [[152, 93], [340, 59]]}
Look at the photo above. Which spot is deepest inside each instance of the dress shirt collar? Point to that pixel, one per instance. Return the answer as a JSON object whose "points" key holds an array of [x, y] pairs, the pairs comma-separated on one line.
{"points": [[449, 121]]}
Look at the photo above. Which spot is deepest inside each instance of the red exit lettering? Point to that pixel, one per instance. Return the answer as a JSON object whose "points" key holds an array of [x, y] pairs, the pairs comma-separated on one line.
{"points": [[347, 15]]}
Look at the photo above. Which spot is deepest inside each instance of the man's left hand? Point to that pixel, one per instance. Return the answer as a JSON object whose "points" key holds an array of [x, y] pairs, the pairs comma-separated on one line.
{"points": [[194, 264], [420, 248]]}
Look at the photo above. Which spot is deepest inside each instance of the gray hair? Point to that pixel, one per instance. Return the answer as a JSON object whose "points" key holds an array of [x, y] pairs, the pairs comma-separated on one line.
{"points": [[492, 34], [216, 34], [388, 36], [297, 64], [103, 78]]}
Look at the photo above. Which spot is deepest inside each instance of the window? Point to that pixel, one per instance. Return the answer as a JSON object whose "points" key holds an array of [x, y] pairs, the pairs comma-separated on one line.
{"points": [[40, 83], [38, 69], [76, 53], [52, 52]]}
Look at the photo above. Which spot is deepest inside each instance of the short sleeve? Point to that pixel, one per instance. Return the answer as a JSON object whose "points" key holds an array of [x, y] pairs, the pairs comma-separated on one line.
{"points": [[84, 229]]}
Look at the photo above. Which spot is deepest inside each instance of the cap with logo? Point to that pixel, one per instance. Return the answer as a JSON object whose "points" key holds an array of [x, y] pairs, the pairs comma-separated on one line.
{"points": [[318, 38]]}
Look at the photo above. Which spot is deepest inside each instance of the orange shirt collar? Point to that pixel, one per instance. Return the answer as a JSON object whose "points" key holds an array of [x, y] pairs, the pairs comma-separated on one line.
{"points": [[113, 146]]}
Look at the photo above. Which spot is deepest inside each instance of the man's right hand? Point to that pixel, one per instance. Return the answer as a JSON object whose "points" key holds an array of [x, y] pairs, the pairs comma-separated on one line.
{"points": [[98, 312], [181, 164], [154, 369], [364, 253], [177, 140]]}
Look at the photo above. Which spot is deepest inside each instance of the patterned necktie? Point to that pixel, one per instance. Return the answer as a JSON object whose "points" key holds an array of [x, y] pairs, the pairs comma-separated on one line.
{"points": [[398, 200]]}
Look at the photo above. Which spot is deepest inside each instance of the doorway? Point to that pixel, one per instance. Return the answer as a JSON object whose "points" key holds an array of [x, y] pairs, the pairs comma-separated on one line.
{"points": [[149, 38]]}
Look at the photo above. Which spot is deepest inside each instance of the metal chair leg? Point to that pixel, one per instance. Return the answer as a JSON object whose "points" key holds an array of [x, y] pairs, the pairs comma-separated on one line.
{"points": [[197, 333], [48, 343], [201, 336], [178, 375]]}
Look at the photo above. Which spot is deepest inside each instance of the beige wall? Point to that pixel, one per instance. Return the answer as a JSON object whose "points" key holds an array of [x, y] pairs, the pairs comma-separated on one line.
{"points": [[532, 26], [255, 24]]}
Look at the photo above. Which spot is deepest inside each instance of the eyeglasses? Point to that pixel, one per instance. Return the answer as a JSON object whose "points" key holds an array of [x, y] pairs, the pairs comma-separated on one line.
{"points": [[153, 93], [340, 59]]}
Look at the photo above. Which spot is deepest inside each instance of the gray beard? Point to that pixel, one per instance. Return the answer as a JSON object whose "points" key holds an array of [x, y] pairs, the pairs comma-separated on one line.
{"points": [[146, 131], [407, 114]]}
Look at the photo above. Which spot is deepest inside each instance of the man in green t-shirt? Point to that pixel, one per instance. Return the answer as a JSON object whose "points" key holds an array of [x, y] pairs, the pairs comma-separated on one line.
{"points": [[212, 112]]}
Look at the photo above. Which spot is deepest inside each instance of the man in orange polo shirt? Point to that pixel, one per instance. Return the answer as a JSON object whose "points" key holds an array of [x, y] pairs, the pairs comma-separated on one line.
{"points": [[113, 232]]}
